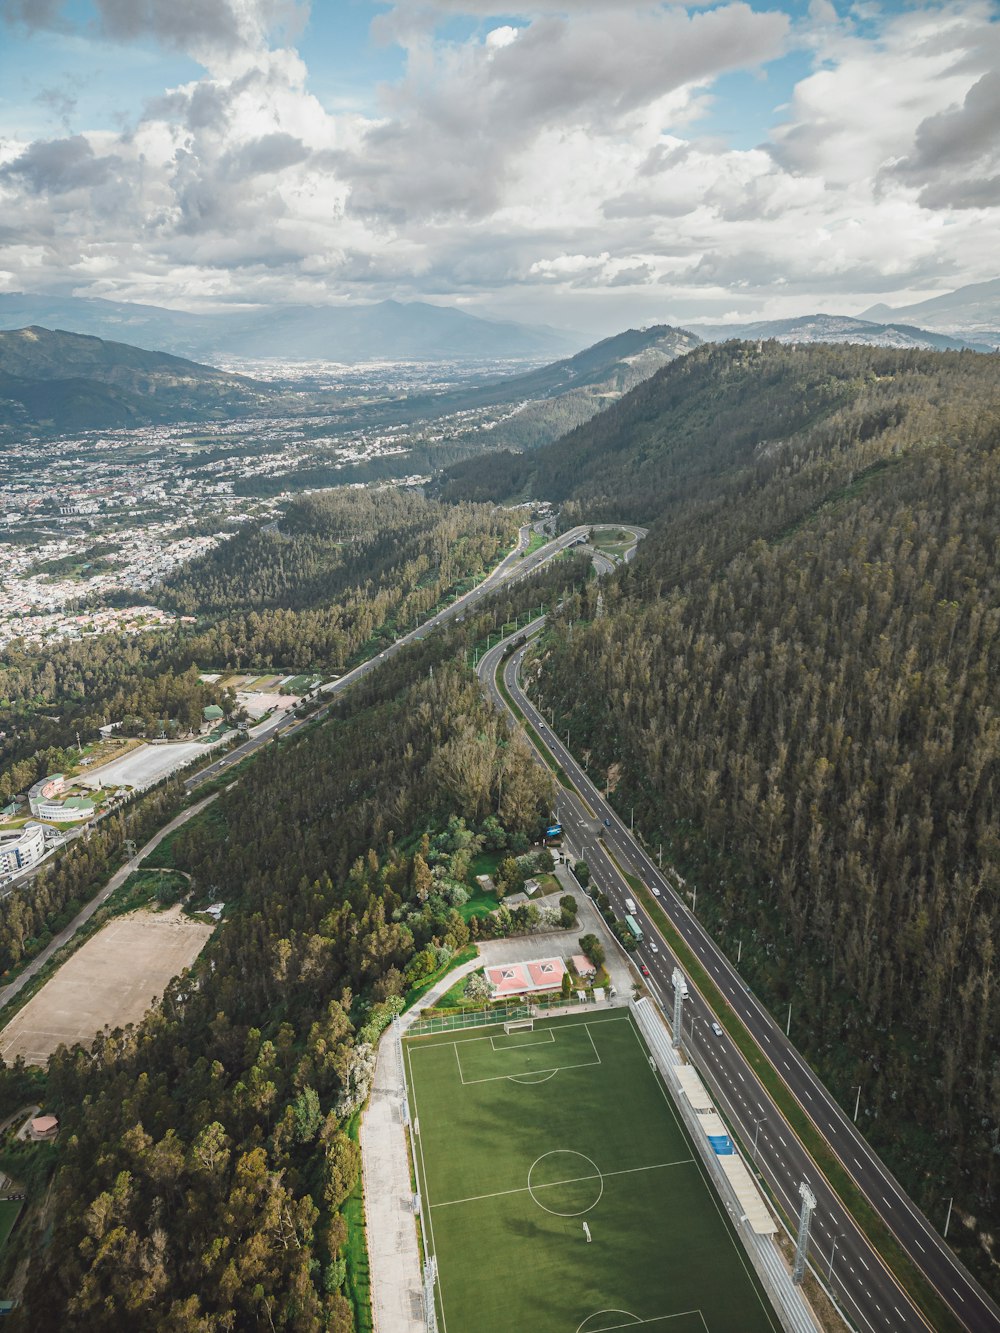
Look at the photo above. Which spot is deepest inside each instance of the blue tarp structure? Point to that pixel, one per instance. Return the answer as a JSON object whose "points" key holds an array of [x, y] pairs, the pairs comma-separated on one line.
{"points": [[722, 1144]]}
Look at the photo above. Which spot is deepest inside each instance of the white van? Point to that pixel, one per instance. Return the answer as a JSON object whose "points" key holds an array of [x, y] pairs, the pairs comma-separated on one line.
{"points": [[630, 907]]}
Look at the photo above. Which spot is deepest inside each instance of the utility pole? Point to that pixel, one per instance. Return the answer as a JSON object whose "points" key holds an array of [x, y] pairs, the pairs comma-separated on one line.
{"points": [[788, 1025], [739, 954], [947, 1220], [857, 1103]]}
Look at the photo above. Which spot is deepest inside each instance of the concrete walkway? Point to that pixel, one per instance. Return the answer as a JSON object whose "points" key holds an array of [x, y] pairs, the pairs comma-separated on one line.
{"points": [[83, 916], [393, 1249]]}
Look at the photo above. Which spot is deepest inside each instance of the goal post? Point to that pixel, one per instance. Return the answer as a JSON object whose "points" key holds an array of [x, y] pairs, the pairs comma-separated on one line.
{"points": [[519, 1025]]}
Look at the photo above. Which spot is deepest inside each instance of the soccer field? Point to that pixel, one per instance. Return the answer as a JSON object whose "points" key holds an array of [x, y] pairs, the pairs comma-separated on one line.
{"points": [[524, 1138]]}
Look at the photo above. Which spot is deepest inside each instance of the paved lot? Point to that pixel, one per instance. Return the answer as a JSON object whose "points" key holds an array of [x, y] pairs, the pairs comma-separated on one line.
{"points": [[563, 943], [144, 766], [110, 981]]}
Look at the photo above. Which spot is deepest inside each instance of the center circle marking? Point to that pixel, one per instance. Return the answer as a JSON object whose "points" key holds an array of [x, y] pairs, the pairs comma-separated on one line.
{"points": [[572, 1175]]}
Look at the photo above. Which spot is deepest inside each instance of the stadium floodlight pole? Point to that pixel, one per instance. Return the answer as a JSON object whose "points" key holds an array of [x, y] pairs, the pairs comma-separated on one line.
{"points": [[802, 1240], [857, 1103], [680, 995]]}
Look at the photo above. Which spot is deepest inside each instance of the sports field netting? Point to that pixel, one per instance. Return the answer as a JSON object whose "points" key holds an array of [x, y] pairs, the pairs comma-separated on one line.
{"points": [[527, 1136]]}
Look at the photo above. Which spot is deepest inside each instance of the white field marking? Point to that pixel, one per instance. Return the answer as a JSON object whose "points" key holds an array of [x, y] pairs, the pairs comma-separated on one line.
{"points": [[710, 1189], [497, 1078], [573, 1180], [412, 1091], [636, 1322], [513, 1045], [529, 1079], [471, 1041]]}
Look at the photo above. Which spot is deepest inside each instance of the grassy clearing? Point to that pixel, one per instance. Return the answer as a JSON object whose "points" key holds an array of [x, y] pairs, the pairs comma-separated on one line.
{"points": [[522, 1140]]}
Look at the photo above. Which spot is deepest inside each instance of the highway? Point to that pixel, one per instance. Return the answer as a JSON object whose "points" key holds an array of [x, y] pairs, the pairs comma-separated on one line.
{"points": [[860, 1281], [862, 1284], [513, 567]]}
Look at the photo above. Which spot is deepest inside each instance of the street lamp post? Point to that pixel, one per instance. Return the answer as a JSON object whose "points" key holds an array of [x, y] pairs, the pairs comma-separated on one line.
{"points": [[755, 1133], [857, 1103], [833, 1251], [947, 1220]]}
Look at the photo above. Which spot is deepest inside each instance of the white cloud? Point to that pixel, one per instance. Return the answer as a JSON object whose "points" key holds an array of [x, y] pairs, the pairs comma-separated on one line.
{"points": [[551, 159]]}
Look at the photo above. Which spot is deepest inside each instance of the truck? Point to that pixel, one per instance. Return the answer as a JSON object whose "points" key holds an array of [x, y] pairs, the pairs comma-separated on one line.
{"points": [[635, 928]]}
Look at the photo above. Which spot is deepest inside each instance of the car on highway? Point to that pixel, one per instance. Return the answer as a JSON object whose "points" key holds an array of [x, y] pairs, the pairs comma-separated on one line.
{"points": [[644, 969], [716, 1029], [654, 946], [607, 823], [656, 892]]}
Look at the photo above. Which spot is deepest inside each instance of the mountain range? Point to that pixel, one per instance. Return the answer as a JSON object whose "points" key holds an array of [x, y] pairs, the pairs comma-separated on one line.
{"points": [[386, 331], [973, 310], [56, 381], [843, 329]]}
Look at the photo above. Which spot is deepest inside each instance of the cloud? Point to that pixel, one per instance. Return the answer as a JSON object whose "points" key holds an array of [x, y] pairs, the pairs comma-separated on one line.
{"points": [[199, 27], [60, 165], [550, 160], [457, 126], [956, 157]]}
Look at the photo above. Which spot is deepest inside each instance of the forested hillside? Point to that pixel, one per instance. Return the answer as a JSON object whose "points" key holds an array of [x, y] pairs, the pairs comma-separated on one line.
{"points": [[796, 683], [343, 571], [206, 1165]]}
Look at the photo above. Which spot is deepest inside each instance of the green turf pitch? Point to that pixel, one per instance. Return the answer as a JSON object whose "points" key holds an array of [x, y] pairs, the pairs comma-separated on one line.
{"points": [[525, 1137]]}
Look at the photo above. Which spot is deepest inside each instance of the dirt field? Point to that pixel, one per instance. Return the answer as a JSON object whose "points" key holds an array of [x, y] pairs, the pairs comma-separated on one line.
{"points": [[112, 980]]}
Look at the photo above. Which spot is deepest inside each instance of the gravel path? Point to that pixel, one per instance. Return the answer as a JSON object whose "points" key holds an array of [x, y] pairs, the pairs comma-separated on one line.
{"points": [[393, 1250]]}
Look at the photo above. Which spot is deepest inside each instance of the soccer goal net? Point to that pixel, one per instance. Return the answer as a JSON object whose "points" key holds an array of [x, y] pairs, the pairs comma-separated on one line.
{"points": [[520, 1025]]}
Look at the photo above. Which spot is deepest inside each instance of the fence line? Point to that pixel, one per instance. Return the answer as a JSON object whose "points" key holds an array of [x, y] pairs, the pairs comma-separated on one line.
{"points": [[503, 1013]]}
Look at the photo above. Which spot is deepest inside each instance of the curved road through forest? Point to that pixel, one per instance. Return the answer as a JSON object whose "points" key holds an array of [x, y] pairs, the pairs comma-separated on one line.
{"points": [[861, 1282]]}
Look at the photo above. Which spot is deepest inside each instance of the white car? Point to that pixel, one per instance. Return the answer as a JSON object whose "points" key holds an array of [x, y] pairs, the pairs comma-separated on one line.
{"points": [[716, 1029], [656, 892], [654, 946]]}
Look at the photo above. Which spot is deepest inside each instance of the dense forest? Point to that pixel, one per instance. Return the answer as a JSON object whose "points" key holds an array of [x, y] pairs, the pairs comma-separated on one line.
{"points": [[797, 679], [345, 571], [206, 1157]]}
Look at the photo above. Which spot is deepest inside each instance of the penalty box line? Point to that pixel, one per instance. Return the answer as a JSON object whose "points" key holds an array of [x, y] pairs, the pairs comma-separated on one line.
{"points": [[636, 1322], [573, 1180], [515, 1045], [496, 1078]]}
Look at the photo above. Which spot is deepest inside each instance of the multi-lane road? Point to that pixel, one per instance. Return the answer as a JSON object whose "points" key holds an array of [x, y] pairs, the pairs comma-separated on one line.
{"points": [[866, 1291], [514, 566]]}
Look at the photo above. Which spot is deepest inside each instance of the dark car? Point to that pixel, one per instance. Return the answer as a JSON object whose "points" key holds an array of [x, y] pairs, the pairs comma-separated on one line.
{"points": [[607, 823]]}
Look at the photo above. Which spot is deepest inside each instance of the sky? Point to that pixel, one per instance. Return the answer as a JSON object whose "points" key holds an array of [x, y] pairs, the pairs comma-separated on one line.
{"points": [[589, 164]]}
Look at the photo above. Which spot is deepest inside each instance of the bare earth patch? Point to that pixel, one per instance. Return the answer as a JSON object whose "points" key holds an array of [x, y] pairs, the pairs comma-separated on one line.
{"points": [[112, 980]]}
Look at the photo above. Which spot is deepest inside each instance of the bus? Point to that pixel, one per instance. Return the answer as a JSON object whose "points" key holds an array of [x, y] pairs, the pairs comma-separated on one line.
{"points": [[635, 928]]}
